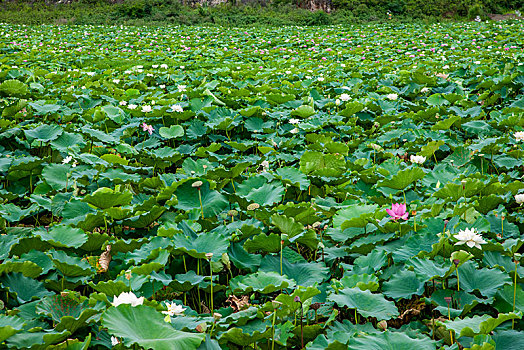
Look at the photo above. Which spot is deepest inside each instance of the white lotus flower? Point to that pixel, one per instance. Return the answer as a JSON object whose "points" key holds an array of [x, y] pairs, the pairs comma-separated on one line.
{"points": [[163, 66], [122, 103], [424, 90], [67, 159], [345, 97], [470, 237], [417, 159], [155, 66], [392, 96], [172, 310], [116, 81], [114, 341], [181, 88], [294, 131], [320, 78], [519, 135], [519, 198], [265, 165], [177, 108], [127, 298], [132, 106], [294, 121], [146, 108]]}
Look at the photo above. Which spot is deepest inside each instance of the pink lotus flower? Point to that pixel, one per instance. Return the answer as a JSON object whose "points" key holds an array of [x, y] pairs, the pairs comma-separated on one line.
{"points": [[398, 211], [148, 128]]}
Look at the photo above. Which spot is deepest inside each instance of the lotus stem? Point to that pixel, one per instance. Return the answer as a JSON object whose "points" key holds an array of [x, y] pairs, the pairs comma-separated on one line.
{"points": [[356, 317], [458, 280], [200, 199], [273, 330], [281, 248], [514, 293], [211, 275]]}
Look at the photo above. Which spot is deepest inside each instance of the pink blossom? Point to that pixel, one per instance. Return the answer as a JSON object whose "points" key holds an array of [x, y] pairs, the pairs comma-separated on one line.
{"points": [[398, 211], [148, 128]]}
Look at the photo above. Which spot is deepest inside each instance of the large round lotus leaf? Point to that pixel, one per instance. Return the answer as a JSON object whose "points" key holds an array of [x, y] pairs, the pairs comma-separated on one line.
{"points": [[461, 302], [63, 236], [144, 326], [247, 334], [509, 339], [304, 111], [257, 190], [366, 303], [471, 326], [25, 288], [403, 285], [392, 341], [26, 268], [304, 273], [10, 325], [69, 265], [355, 215], [201, 245], [36, 340], [105, 197], [262, 282], [403, 178], [44, 133], [13, 87], [172, 132], [319, 164], [213, 202], [486, 281]]}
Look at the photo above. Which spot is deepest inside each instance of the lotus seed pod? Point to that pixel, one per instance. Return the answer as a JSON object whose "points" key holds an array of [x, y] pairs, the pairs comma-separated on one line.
{"points": [[232, 212], [197, 184], [253, 206]]}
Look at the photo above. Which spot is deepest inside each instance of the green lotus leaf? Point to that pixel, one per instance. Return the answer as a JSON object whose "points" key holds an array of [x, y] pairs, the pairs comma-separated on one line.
{"points": [[172, 132], [63, 236], [403, 285], [25, 288], [44, 133], [13, 213], [363, 282], [437, 100], [201, 245], [304, 111], [36, 340], [116, 114], [504, 299], [213, 202], [351, 108], [294, 177], [461, 302], [70, 266], [105, 197], [303, 273], [110, 288], [319, 164], [486, 281], [257, 190], [471, 326], [263, 243], [430, 148], [508, 339], [392, 340], [287, 225], [186, 281], [26, 268], [43, 108], [247, 334], [10, 325], [144, 326], [403, 178], [13, 87], [244, 260], [366, 303], [262, 282], [477, 127], [426, 269], [354, 215], [69, 310]]}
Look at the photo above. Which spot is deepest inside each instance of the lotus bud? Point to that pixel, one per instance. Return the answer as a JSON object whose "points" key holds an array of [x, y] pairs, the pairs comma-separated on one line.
{"points": [[456, 262], [382, 325], [209, 256], [217, 316], [297, 299]]}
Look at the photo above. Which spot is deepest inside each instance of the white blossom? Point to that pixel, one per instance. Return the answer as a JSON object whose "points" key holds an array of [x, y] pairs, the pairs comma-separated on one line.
{"points": [[519, 198], [417, 159], [519, 135], [127, 298], [146, 108], [470, 237], [392, 96], [177, 108], [345, 97]]}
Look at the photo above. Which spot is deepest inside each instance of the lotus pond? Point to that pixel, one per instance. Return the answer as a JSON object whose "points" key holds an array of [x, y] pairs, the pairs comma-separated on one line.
{"points": [[352, 187]]}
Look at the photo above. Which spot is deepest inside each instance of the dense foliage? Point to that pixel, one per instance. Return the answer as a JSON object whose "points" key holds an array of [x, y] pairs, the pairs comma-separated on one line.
{"points": [[173, 188], [247, 13]]}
